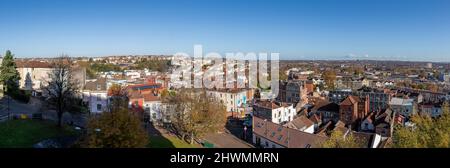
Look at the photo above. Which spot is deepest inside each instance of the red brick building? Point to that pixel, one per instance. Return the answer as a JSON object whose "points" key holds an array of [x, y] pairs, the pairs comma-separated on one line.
{"points": [[352, 110]]}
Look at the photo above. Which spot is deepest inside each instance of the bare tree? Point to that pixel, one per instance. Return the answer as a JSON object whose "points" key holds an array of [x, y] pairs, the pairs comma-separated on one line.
{"points": [[62, 87]]}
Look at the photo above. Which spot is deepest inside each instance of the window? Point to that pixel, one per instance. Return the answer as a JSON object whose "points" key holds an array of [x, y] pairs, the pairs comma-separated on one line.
{"points": [[99, 97], [99, 107]]}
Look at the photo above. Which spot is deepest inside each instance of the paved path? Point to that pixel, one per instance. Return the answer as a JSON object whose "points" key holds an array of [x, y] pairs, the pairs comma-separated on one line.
{"points": [[17, 107], [226, 140], [34, 106]]}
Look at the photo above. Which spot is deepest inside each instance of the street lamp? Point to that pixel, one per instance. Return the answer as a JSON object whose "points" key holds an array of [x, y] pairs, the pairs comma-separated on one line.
{"points": [[245, 132]]}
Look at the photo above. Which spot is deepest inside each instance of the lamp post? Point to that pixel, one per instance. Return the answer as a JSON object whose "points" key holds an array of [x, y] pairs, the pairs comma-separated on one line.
{"points": [[245, 133]]}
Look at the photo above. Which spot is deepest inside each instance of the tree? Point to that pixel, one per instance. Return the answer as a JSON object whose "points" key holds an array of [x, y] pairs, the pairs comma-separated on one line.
{"points": [[329, 77], [339, 140], [9, 75], [61, 87], [426, 132], [432, 87], [196, 114], [153, 64], [117, 129], [118, 97]]}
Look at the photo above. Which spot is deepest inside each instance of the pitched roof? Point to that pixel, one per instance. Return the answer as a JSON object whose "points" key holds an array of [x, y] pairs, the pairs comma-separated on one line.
{"points": [[323, 129], [287, 137], [32, 64], [315, 118], [96, 85], [271, 104], [324, 105], [350, 100], [300, 122]]}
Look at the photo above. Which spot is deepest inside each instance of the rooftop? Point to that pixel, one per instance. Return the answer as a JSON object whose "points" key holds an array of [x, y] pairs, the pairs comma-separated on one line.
{"points": [[284, 136]]}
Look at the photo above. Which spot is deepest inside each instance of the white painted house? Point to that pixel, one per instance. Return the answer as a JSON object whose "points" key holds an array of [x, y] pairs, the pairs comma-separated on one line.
{"points": [[275, 112], [235, 100], [95, 95], [402, 106]]}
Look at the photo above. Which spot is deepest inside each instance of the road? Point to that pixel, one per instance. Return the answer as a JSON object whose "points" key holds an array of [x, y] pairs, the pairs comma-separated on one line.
{"points": [[34, 106], [231, 138]]}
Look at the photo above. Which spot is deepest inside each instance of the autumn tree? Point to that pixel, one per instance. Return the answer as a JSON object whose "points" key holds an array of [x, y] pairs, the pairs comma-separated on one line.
{"points": [[61, 87], [432, 87], [118, 97], [329, 77], [427, 132], [196, 114], [117, 129], [340, 140]]}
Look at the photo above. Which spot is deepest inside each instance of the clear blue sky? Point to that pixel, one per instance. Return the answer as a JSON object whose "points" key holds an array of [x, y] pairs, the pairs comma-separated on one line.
{"points": [[308, 29]]}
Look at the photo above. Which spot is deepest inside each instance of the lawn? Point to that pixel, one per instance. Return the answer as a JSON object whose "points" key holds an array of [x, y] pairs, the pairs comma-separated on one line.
{"points": [[169, 142], [26, 133]]}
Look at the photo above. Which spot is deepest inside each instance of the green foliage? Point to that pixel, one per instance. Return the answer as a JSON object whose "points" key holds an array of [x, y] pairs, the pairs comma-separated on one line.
{"points": [[9, 75], [426, 133], [117, 129], [26, 133], [160, 141], [91, 74], [196, 114], [104, 67], [21, 95], [153, 65], [329, 77], [338, 140], [282, 75]]}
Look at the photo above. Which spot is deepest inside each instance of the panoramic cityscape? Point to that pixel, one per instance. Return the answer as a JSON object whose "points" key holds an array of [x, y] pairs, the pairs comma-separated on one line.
{"points": [[100, 74]]}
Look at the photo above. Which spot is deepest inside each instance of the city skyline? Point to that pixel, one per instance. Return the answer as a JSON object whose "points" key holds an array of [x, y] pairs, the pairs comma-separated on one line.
{"points": [[298, 30]]}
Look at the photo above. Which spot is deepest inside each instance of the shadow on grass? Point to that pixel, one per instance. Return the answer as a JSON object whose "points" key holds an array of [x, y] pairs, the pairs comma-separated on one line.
{"points": [[157, 140], [26, 133]]}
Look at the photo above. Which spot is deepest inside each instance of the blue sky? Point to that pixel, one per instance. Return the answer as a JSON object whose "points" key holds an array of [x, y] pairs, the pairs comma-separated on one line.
{"points": [[297, 29]]}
